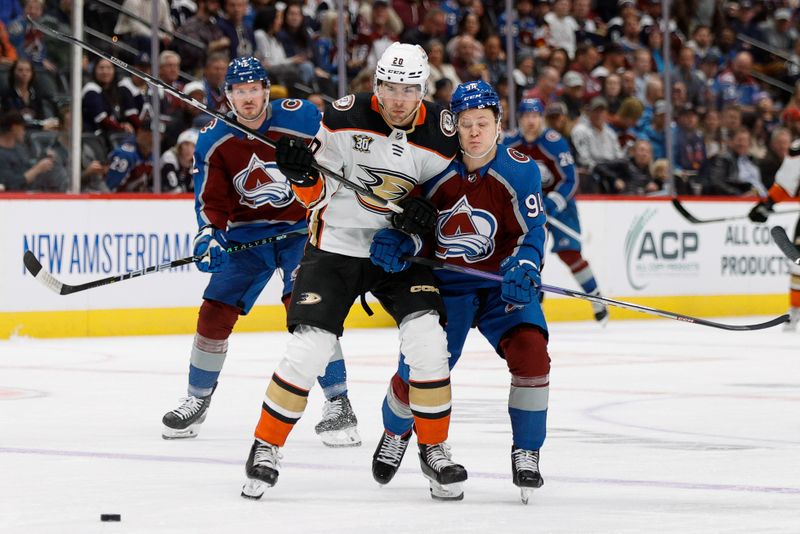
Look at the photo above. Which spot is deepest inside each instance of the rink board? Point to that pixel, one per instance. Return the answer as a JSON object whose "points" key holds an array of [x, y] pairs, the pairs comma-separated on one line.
{"points": [[641, 250]]}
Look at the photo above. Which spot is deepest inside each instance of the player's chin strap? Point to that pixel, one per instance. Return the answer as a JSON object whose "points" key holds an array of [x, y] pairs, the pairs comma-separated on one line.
{"points": [[491, 147]]}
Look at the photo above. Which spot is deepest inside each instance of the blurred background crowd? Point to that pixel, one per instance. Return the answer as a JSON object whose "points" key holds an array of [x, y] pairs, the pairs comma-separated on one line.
{"points": [[731, 74]]}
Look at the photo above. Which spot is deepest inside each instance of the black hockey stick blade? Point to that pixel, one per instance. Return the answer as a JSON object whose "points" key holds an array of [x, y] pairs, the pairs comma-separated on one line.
{"points": [[785, 244], [436, 264], [360, 189], [694, 220], [35, 267]]}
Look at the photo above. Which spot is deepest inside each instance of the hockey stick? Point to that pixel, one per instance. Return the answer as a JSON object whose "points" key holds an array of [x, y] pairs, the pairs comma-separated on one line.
{"points": [[213, 112], [785, 244], [35, 267], [694, 220], [436, 264], [558, 225]]}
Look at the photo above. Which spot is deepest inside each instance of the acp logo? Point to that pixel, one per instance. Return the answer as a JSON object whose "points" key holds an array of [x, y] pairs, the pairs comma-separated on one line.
{"points": [[658, 253]]}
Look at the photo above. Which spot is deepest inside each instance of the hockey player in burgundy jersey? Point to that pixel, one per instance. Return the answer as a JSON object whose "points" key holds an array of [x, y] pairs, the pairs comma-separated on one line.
{"points": [[551, 152], [491, 217], [389, 142], [786, 187], [240, 196]]}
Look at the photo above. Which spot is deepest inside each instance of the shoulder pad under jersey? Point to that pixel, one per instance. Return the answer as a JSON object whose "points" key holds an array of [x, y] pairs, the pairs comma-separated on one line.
{"points": [[299, 116]]}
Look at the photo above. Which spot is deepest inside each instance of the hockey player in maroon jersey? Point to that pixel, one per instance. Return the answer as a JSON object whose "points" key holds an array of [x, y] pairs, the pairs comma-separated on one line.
{"points": [[491, 217], [388, 141], [240, 196], [551, 152]]}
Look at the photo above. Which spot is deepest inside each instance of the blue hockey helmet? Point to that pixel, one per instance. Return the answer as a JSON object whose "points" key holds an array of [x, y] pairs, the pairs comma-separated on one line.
{"points": [[531, 105], [474, 95], [245, 70]]}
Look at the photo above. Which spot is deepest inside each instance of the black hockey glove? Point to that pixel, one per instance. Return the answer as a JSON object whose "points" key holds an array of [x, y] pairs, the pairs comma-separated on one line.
{"points": [[418, 217], [295, 160], [761, 211]]}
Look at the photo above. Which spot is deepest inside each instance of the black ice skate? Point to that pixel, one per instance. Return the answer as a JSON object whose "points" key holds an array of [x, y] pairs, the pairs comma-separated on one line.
{"points": [[261, 469], [525, 471], [338, 425], [185, 420], [600, 310], [444, 475], [388, 456]]}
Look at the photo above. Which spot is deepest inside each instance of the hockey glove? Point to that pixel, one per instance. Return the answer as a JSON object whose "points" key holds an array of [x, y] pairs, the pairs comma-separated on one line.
{"points": [[418, 217], [389, 246], [295, 161], [554, 203], [520, 281], [209, 249], [760, 212]]}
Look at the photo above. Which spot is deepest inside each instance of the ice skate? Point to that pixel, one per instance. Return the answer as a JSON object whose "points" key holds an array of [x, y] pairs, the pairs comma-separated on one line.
{"points": [[525, 472], [444, 475], [388, 455], [261, 468], [794, 319], [338, 425], [185, 420], [600, 310]]}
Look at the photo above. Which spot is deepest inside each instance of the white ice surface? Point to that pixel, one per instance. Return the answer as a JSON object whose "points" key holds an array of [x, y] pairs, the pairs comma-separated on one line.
{"points": [[654, 426]]}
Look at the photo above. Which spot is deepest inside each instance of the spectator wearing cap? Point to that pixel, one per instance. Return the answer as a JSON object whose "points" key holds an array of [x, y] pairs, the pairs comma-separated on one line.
{"points": [[562, 26], [19, 171], [654, 131], [791, 119], [778, 149], [611, 90], [177, 164], [439, 68], [624, 10], [709, 69], [628, 175], [595, 141], [555, 116], [689, 148], [735, 84], [130, 168], [573, 94], [777, 31], [686, 72], [734, 171], [135, 93], [201, 27], [613, 62]]}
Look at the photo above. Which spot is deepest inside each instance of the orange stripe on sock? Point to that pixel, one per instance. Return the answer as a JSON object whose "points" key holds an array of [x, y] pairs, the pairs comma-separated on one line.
{"points": [[431, 431], [794, 298], [272, 430]]}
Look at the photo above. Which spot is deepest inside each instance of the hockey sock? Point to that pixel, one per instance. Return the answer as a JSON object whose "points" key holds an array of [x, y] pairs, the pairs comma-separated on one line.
{"points": [[430, 404], [580, 270], [397, 416], [794, 291], [210, 347], [334, 381], [525, 351], [283, 405]]}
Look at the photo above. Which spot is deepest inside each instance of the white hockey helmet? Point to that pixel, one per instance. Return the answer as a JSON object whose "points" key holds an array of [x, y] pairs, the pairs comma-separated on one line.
{"points": [[403, 63]]}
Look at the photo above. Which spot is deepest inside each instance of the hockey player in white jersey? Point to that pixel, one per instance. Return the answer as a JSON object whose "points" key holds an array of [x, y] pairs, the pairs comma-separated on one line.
{"points": [[388, 142]]}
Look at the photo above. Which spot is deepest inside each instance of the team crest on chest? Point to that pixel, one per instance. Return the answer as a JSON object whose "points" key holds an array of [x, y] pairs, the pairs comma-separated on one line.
{"points": [[389, 185], [258, 185], [465, 232], [362, 142]]}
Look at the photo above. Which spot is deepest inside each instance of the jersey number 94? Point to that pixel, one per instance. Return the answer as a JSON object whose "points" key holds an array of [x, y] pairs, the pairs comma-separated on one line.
{"points": [[534, 205]]}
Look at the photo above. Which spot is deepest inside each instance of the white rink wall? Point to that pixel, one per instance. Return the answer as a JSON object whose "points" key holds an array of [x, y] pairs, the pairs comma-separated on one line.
{"points": [[639, 249]]}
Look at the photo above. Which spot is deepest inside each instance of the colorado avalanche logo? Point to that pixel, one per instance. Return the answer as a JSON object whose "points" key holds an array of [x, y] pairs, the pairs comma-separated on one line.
{"points": [[258, 185], [465, 232], [388, 185]]}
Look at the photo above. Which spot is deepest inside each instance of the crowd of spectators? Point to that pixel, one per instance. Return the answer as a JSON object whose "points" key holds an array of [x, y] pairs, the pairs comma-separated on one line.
{"points": [[597, 65]]}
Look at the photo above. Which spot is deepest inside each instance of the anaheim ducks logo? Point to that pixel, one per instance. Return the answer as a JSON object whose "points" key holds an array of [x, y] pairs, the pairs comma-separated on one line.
{"points": [[386, 184], [258, 185]]}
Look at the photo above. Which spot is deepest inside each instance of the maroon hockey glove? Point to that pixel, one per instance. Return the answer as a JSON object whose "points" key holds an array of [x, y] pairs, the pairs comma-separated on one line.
{"points": [[418, 217]]}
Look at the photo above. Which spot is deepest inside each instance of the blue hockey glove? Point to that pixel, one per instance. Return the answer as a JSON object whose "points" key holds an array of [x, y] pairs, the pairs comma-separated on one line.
{"points": [[210, 245], [520, 281], [389, 245], [554, 203]]}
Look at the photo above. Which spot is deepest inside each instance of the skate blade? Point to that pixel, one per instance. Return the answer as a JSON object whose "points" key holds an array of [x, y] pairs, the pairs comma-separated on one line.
{"points": [[525, 495], [185, 433], [446, 492], [254, 489], [347, 437]]}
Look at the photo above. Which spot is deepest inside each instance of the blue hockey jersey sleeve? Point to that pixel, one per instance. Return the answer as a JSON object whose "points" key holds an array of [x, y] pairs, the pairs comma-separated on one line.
{"points": [[556, 148], [530, 213], [121, 161]]}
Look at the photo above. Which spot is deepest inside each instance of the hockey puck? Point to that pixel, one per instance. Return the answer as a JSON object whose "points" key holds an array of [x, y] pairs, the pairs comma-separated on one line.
{"points": [[110, 517]]}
